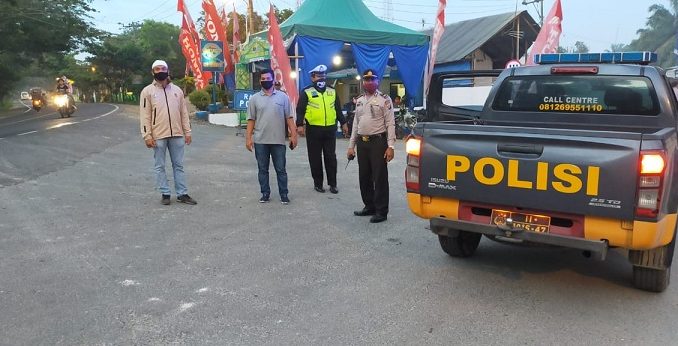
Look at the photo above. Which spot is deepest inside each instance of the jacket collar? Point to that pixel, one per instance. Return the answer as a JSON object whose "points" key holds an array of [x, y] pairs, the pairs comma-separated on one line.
{"points": [[159, 84]]}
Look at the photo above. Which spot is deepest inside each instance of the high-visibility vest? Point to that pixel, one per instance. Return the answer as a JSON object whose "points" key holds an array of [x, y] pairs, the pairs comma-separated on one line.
{"points": [[320, 110]]}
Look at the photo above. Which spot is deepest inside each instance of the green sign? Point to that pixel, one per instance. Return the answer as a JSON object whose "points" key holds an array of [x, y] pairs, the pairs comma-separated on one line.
{"points": [[255, 50], [243, 77]]}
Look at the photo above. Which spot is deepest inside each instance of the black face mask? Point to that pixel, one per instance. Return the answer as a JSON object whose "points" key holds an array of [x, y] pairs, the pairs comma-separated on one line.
{"points": [[160, 76], [267, 84]]}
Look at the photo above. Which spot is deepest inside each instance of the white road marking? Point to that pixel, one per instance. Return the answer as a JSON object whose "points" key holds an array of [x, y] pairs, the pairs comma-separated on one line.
{"points": [[129, 283], [186, 306], [29, 119], [27, 106], [27, 133], [62, 124], [153, 299], [111, 112], [204, 289]]}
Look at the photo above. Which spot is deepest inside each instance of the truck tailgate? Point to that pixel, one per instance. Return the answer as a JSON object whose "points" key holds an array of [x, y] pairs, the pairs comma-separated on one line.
{"points": [[573, 171]]}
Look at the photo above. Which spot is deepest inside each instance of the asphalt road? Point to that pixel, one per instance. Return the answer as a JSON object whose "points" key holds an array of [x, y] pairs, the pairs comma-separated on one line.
{"points": [[89, 256]]}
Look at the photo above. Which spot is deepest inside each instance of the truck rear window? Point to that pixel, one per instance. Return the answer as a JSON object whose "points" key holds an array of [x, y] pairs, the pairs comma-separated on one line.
{"points": [[578, 94]]}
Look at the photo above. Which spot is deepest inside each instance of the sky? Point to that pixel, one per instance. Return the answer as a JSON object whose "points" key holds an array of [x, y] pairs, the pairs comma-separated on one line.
{"points": [[597, 23]]}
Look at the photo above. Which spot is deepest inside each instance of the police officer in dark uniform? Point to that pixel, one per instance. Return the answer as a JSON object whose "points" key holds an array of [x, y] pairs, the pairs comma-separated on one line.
{"points": [[373, 134], [319, 107]]}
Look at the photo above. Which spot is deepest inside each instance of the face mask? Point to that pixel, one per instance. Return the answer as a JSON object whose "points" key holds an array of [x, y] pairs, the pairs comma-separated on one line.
{"points": [[160, 76], [320, 83], [370, 87], [266, 84]]}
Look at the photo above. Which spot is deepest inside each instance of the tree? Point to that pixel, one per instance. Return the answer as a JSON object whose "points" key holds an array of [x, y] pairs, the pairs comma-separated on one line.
{"points": [[282, 15], [580, 47], [34, 30], [124, 61], [618, 47], [659, 33]]}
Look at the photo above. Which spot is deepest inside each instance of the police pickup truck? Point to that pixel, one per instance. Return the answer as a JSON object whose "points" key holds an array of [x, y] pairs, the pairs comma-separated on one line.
{"points": [[577, 151]]}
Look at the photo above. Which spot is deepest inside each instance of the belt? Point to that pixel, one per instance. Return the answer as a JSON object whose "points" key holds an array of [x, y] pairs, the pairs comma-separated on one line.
{"points": [[367, 138]]}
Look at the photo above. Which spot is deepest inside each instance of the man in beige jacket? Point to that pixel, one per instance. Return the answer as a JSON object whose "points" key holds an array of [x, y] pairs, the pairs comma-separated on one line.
{"points": [[165, 126]]}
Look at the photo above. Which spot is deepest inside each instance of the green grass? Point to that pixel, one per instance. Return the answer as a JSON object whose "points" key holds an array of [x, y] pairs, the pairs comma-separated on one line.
{"points": [[5, 104]]}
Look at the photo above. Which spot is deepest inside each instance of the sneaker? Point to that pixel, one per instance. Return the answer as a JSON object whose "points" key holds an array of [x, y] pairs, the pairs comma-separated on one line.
{"points": [[319, 189], [264, 199], [284, 200], [334, 190], [165, 200], [186, 199]]}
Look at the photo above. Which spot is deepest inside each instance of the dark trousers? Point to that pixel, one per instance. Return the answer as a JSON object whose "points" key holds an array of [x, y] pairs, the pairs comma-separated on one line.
{"points": [[321, 143], [373, 173]]}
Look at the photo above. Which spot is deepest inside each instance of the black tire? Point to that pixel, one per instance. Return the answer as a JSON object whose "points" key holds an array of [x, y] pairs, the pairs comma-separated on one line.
{"points": [[652, 280], [399, 132], [464, 245]]}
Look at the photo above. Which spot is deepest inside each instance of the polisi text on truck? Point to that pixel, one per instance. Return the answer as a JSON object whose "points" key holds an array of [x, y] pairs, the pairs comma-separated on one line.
{"points": [[561, 177]]}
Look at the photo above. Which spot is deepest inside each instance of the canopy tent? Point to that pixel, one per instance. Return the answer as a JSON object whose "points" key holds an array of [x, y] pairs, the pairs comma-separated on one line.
{"points": [[320, 28]]}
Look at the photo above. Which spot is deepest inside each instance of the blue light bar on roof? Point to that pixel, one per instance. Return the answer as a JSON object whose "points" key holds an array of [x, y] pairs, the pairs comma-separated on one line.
{"points": [[642, 58]]}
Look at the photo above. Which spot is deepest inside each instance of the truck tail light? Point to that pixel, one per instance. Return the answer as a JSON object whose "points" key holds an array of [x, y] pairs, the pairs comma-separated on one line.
{"points": [[413, 149], [652, 165]]}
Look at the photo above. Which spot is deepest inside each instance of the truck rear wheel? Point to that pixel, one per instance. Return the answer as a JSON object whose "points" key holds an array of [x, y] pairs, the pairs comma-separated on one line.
{"points": [[653, 280], [652, 268], [463, 245]]}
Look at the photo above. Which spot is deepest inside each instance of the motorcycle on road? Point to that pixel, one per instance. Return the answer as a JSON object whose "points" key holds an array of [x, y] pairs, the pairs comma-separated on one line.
{"points": [[37, 103], [64, 104]]}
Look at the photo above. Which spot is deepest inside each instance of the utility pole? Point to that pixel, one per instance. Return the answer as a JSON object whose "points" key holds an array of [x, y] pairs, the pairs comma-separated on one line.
{"points": [[541, 13], [389, 10], [250, 16]]}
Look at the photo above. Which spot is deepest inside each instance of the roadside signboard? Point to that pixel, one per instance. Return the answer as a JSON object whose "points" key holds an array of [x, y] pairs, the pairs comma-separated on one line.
{"points": [[212, 55], [241, 98]]}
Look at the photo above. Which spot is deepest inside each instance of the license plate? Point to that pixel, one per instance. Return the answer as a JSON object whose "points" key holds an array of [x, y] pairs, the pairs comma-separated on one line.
{"points": [[521, 221]]}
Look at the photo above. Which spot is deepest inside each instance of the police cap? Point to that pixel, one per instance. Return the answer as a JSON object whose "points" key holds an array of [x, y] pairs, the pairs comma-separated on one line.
{"points": [[369, 74], [320, 69]]}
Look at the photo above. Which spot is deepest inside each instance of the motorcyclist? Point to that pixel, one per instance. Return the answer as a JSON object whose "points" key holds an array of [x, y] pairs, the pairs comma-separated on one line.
{"points": [[38, 94], [63, 87]]}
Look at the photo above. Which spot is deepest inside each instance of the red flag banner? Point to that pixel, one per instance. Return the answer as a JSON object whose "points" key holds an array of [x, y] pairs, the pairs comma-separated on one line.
{"points": [[280, 61], [188, 40], [192, 54], [187, 21], [549, 36], [236, 36], [437, 34], [215, 31]]}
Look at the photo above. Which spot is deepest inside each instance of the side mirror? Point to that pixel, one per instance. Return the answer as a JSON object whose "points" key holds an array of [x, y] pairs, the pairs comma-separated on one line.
{"points": [[672, 73]]}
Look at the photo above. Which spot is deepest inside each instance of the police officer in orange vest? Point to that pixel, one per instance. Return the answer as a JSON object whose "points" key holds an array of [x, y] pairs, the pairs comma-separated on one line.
{"points": [[320, 109]]}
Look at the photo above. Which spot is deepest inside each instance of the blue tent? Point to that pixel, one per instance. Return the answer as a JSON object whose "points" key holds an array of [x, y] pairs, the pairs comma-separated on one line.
{"points": [[320, 29]]}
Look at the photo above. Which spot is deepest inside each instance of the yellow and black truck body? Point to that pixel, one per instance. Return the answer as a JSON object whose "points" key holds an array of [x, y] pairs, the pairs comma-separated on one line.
{"points": [[578, 154]]}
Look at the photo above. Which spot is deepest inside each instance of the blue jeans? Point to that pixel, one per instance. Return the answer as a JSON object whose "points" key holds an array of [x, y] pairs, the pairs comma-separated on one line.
{"points": [[176, 151], [263, 152]]}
